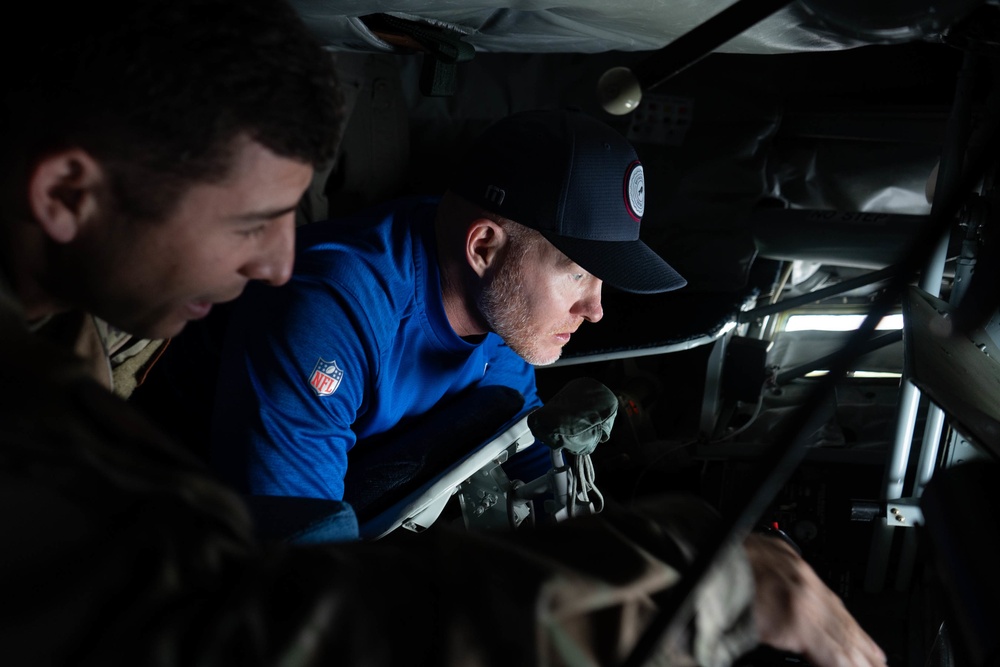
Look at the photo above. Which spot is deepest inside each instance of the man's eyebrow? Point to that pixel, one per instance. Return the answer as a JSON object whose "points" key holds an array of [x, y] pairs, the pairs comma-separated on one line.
{"points": [[564, 261], [268, 214]]}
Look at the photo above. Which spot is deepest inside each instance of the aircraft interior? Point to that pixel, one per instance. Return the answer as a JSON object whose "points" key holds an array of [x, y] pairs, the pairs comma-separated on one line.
{"points": [[824, 176]]}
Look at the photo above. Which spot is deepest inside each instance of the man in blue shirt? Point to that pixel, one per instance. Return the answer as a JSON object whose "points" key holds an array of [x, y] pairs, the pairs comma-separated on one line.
{"points": [[399, 309]]}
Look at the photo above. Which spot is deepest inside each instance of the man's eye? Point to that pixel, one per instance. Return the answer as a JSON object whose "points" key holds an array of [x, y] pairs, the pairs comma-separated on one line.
{"points": [[577, 276], [253, 233]]}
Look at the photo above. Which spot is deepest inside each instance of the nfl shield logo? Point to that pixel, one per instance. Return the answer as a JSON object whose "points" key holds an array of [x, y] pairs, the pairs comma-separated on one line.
{"points": [[326, 377]]}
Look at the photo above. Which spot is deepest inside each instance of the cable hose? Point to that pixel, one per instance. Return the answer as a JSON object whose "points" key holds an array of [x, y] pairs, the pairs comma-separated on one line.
{"points": [[583, 483]]}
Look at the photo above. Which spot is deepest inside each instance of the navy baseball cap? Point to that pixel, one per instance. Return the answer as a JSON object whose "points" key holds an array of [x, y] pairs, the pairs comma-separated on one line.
{"points": [[579, 183]]}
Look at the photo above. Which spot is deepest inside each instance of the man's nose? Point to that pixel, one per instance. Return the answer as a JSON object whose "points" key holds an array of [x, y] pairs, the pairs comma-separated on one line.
{"points": [[589, 307], [274, 259]]}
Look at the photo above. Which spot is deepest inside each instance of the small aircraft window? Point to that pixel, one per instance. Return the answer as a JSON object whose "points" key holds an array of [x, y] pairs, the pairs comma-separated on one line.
{"points": [[816, 322], [856, 374], [812, 333]]}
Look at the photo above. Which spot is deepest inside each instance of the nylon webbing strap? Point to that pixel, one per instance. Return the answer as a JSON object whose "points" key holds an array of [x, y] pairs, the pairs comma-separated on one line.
{"points": [[443, 50]]}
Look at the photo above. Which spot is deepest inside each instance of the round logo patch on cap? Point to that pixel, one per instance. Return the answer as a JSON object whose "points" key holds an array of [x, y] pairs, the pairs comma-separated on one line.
{"points": [[635, 191]]}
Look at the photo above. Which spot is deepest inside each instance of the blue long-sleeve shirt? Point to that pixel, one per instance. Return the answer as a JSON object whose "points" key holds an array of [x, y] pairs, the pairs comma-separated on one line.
{"points": [[356, 343]]}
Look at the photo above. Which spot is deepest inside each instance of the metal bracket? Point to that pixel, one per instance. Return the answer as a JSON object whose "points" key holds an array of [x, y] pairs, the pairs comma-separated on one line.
{"points": [[904, 512], [483, 498]]}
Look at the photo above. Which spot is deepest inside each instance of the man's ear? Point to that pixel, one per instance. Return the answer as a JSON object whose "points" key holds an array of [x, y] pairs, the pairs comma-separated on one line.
{"points": [[62, 192], [484, 240]]}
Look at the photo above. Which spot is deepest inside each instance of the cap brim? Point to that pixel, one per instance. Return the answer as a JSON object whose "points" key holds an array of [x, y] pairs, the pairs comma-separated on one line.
{"points": [[630, 266]]}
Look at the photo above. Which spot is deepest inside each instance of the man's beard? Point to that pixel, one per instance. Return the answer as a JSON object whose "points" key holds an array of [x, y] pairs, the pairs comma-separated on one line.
{"points": [[503, 305]]}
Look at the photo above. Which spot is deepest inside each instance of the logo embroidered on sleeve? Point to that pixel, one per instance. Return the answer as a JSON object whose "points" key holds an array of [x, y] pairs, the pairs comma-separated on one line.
{"points": [[326, 377]]}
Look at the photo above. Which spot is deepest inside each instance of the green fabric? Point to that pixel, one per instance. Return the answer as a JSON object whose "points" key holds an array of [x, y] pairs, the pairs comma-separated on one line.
{"points": [[578, 418]]}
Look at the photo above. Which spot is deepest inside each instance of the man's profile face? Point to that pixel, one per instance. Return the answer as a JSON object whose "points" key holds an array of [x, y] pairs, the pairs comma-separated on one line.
{"points": [[537, 298], [151, 278]]}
